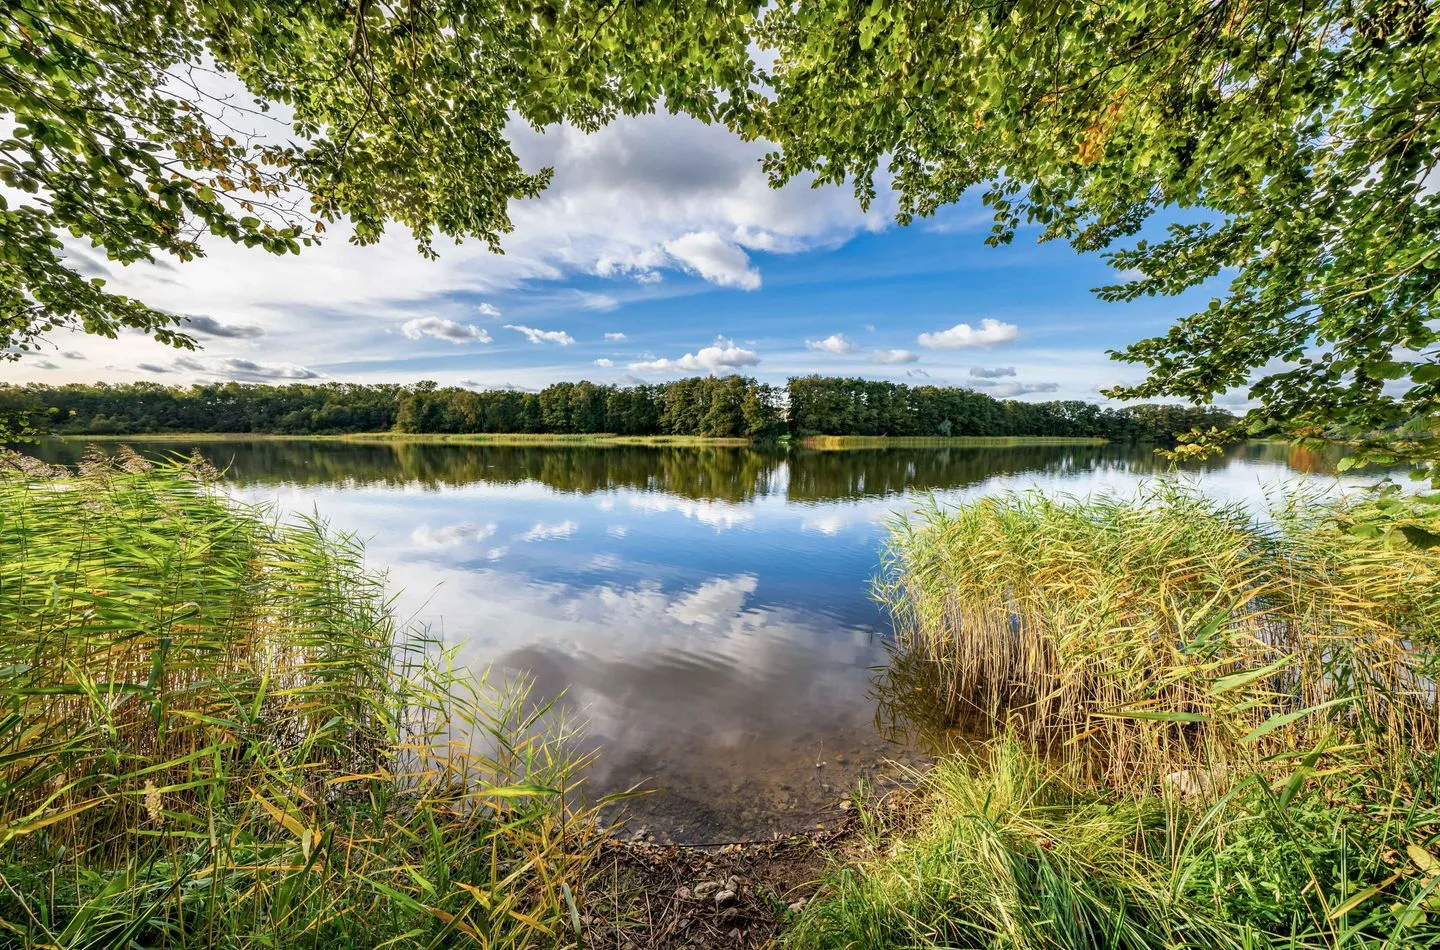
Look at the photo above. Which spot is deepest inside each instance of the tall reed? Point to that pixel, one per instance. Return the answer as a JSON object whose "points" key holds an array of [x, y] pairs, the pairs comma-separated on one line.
{"points": [[1170, 633], [213, 733]]}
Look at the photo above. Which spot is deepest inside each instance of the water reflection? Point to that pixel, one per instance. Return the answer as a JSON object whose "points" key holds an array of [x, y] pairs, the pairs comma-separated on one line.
{"points": [[707, 611], [730, 474]]}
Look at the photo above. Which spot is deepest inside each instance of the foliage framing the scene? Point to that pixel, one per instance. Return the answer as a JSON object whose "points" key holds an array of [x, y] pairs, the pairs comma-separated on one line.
{"points": [[127, 127], [1292, 147]]}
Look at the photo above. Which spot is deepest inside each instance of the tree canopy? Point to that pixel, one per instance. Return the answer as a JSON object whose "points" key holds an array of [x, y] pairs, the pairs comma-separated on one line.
{"points": [[1291, 145], [123, 128], [1288, 148]]}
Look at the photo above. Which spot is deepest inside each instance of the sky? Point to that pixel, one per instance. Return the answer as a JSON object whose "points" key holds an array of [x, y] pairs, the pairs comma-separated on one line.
{"points": [[659, 251]]}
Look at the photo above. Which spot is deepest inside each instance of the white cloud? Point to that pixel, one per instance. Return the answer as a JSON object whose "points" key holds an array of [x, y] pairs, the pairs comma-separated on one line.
{"points": [[592, 301], [894, 356], [996, 372], [607, 363], [715, 259], [488, 310], [722, 354], [442, 329], [542, 336], [834, 343], [1006, 389], [620, 196], [963, 335], [548, 532], [614, 337]]}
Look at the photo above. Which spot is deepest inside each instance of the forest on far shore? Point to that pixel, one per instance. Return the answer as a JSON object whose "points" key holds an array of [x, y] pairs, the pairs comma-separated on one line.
{"points": [[720, 407]]}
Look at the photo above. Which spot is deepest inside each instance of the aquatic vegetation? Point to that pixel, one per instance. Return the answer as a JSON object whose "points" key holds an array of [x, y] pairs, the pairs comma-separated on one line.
{"points": [[213, 733], [1214, 730], [1171, 633]]}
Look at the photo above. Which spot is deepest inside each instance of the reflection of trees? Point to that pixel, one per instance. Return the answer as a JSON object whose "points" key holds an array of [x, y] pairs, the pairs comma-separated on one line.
{"points": [[708, 473]]}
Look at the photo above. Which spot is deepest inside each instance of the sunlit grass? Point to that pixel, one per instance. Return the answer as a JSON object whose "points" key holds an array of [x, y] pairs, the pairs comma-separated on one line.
{"points": [[1214, 730], [1169, 632], [213, 734]]}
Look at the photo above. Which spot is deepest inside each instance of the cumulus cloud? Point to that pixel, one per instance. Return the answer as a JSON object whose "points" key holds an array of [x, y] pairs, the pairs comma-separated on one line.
{"points": [[442, 329], [834, 343], [43, 364], [715, 259], [73, 355], [1007, 389], [488, 310], [209, 326], [607, 363], [614, 337], [894, 356], [542, 336], [152, 368], [995, 372], [917, 374], [963, 335], [721, 355], [620, 195]]}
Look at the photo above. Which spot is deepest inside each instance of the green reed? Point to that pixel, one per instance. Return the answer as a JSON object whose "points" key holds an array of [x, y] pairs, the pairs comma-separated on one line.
{"points": [[1214, 730], [1169, 632], [213, 733]]}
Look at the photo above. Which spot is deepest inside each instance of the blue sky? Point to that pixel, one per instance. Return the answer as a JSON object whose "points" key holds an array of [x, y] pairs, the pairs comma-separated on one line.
{"points": [[659, 251]]}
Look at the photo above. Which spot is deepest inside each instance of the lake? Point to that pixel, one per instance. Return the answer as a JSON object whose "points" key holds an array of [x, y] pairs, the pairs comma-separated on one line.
{"points": [[706, 611]]}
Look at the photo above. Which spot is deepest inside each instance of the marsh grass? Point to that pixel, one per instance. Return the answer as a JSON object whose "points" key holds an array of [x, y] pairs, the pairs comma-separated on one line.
{"points": [[1208, 729], [213, 734], [940, 441], [1169, 633]]}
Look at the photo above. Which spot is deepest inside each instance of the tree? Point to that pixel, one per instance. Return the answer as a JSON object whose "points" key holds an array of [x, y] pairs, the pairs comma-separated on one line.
{"points": [[123, 134], [1291, 145]]}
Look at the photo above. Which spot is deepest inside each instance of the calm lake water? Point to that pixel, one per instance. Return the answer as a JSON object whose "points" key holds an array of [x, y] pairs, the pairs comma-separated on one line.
{"points": [[706, 611]]}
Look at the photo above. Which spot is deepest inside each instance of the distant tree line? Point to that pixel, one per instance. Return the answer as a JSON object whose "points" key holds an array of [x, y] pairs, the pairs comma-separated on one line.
{"points": [[725, 406], [715, 406], [138, 408], [828, 405]]}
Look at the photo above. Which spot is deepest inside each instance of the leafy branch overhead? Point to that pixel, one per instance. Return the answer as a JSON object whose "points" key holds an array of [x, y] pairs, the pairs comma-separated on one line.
{"points": [[1284, 153], [126, 126], [1290, 146]]}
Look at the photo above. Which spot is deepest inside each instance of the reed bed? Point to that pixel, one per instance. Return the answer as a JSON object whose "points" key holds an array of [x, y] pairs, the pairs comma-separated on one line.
{"points": [[942, 441], [1169, 637], [212, 733]]}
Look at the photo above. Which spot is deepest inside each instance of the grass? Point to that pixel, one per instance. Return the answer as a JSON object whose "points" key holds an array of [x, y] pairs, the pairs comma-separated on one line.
{"points": [[213, 734], [1007, 851], [1167, 632], [1216, 730], [939, 442]]}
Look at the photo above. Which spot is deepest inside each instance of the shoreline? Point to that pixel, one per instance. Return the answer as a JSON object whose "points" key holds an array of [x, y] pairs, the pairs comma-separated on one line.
{"points": [[818, 443]]}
